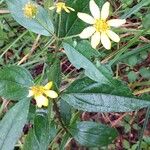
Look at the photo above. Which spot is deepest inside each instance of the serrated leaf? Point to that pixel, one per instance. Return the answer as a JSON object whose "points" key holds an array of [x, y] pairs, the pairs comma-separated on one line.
{"points": [[92, 134], [15, 82], [12, 124], [41, 24], [100, 74], [65, 112], [41, 135], [87, 95], [84, 47]]}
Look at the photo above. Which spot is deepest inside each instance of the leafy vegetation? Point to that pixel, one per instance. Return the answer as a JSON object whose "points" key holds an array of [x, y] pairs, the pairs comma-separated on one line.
{"points": [[64, 84]]}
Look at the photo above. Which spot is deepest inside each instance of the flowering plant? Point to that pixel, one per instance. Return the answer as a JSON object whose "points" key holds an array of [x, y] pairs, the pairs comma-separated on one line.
{"points": [[51, 105]]}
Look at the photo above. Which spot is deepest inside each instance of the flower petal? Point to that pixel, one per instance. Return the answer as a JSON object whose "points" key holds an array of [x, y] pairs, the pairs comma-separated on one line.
{"points": [[66, 9], [41, 101], [58, 10], [105, 11], [116, 22], [51, 8], [95, 11], [113, 36], [105, 40], [51, 93], [70, 8], [86, 18], [87, 32], [30, 93], [95, 40], [48, 86]]}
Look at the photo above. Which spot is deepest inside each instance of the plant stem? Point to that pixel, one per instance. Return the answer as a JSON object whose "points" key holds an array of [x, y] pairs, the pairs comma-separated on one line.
{"points": [[58, 116], [59, 24], [4, 104], [68, 37], [142, 91]]}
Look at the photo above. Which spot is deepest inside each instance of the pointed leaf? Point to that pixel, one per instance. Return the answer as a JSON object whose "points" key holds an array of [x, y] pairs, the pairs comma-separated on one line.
{"points": [[14, 82], [90, 96], [41, 24], [12, 124], [100, 74], [92, 134]]}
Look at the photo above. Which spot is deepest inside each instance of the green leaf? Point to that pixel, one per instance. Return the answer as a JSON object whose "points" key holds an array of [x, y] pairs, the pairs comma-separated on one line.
{"points": [[41, 135], [87, 95], [132, 60], [15, 82], [71, 24], [136, 8], [84, 47], [54, 72], [132, 76], [100, 74], [146, 21], [92, 134], [12, 124], [145, 73], [65, 111], [41, 24]]}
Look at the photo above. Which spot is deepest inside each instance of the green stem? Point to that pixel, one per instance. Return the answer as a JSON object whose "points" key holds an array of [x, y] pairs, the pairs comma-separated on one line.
{"points": [[68, 37], [59, 117], [59, 25]]}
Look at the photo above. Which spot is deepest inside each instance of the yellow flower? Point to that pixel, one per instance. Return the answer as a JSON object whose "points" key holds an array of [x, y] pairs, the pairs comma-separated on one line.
{"points": [[100, 27], [30, 10], [61, 6], [40, 94]]}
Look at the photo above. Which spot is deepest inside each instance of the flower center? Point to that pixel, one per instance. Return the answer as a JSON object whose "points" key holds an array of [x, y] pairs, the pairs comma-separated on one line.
{"points": [[37, 90], [101, 25], [60, 5], [30, 10]]}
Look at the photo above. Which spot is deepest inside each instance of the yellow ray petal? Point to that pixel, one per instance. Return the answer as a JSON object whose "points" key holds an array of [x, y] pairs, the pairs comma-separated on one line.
{"points": [[105, 41], [48, 86], [51, 8], [105, 11], [41, 101], [66, 9], [95, 40], [95, 11], [51, 93], [86, 18], [30, 93], [87, 32], [59, 10], [116, 22], [70, 8], [113, 36]]}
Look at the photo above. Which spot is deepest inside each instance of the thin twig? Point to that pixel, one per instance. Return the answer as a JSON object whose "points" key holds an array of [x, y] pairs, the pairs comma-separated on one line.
{"points": [[118, 120], [4, 11], [34, 46]]}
